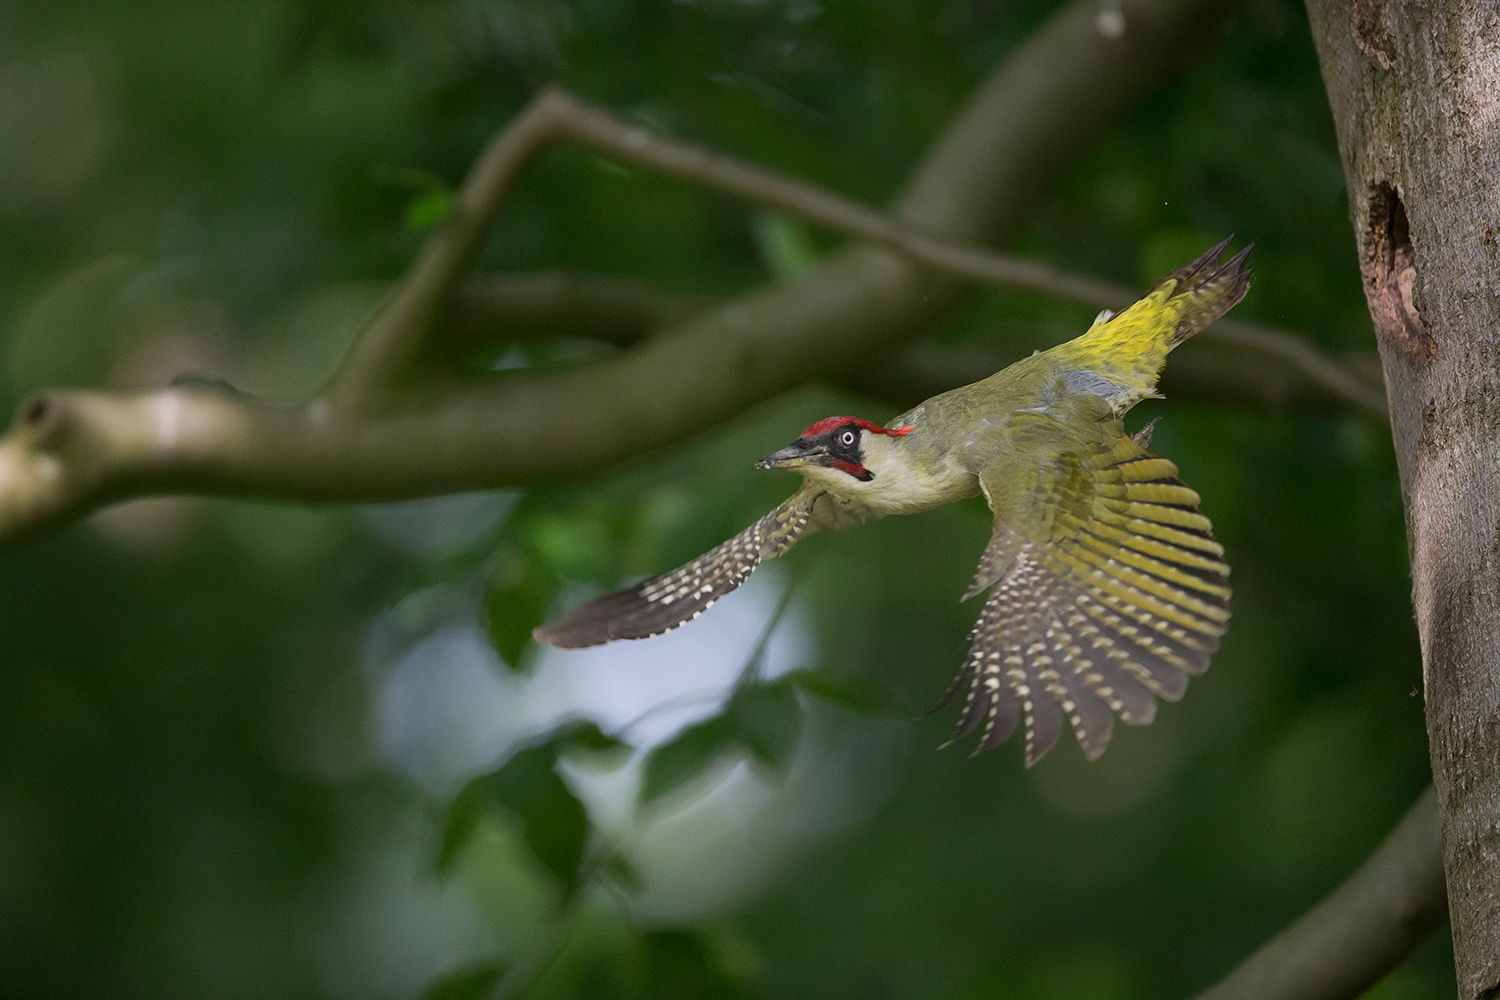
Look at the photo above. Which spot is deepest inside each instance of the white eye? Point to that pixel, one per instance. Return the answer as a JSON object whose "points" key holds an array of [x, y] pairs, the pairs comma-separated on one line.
{"points": [[846, 438]]}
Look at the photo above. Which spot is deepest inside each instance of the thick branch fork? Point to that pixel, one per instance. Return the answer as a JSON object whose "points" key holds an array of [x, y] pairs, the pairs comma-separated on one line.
{"points": [[556, 116], [593, 127]]}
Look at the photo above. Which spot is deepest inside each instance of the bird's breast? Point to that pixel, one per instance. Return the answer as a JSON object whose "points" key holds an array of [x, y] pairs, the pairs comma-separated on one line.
{"points": [[907, 487]]}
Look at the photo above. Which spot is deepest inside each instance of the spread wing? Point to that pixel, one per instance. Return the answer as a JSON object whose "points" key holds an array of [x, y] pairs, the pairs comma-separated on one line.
{"points": [[1109, 591], [661, 603]]}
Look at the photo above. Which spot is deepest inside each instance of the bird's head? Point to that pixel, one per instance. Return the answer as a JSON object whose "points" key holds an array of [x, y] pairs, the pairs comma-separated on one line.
{"points": [[838, 450]]}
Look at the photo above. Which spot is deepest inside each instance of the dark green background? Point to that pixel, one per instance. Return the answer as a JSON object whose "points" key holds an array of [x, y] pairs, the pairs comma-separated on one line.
{"points": [[185, 762]]}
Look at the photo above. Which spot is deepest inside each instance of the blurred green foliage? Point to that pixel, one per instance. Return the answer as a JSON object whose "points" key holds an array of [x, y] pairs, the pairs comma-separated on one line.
{"points": [[191, 763], [758, 721], [527, 785]]}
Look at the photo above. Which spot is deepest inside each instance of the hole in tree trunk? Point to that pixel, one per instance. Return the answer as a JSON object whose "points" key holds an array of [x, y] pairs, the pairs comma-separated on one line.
{"points": [[1390, 274], [1367, 25]]}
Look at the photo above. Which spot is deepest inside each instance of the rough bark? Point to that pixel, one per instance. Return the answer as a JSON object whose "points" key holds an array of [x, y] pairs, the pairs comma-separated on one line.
{"points": [[1415, 92]]}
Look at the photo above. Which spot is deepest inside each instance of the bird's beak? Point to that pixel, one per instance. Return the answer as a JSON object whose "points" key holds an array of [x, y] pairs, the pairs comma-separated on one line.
{"points": [[796, 454]]}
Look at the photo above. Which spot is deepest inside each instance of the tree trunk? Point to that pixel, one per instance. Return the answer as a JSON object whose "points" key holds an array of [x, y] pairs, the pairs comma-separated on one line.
{"points": [[1415, 91]]}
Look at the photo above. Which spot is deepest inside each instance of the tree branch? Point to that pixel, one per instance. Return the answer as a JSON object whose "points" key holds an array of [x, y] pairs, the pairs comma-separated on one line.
{"points": [[593, 126], [70, 451], [1307, 361], [388, 349], [537, 304], [568, 117], [527, 306], [1362, 930]]}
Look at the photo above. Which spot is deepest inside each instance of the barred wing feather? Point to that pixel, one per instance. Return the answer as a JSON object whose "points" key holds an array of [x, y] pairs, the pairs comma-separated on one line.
{"points": [[661, 603], [1114, 602]]}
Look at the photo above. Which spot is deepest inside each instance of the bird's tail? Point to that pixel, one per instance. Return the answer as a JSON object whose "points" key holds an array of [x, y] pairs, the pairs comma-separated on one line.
{"points": [[1204, 289], [1135, 341]]}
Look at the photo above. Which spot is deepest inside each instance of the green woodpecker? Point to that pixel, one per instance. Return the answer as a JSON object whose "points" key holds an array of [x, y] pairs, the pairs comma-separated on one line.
{"points": [[1107, 588]]}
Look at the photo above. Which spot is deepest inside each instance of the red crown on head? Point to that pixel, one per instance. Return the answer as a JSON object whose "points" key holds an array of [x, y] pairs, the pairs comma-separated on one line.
{"points": [[823, 426]]}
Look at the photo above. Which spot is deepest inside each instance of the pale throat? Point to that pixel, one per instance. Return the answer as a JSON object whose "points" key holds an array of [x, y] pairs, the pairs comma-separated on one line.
{"points": [[898, 486]]}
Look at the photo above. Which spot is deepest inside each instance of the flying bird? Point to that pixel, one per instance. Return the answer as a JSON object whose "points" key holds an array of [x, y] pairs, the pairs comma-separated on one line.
{"points": [[1107, 587]]}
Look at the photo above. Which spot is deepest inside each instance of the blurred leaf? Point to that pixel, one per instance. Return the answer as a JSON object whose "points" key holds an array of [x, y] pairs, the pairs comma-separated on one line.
{"points": [[674, 764], [433, 199], [516, 609], [589, 746], [428, 209], [858, 694], [514, 787], [768, 719], [556, 830], [764, 720], [469, 983], [554, 823], [588, 736], [463, 819], [524, 778], [785, 244], [578, 547], [622, 873]]}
